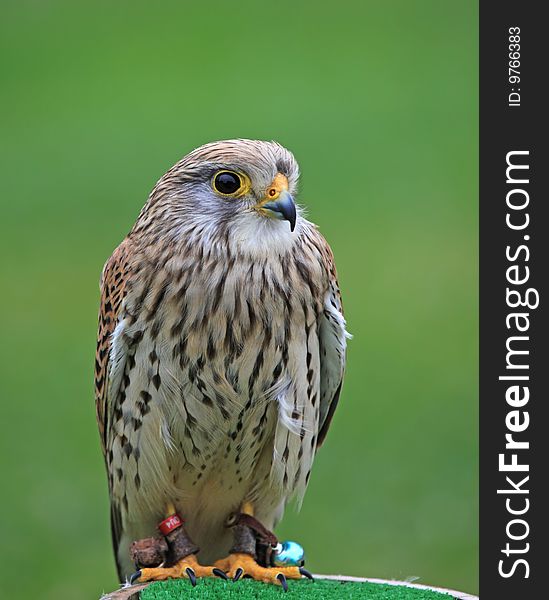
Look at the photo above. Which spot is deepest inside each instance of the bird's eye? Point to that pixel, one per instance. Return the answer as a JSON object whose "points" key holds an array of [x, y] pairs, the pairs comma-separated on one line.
{"points": [[227, 183]]}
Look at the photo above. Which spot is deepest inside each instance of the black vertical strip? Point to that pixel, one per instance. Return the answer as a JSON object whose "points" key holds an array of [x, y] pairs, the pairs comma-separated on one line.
{"points": [[514, 255]]}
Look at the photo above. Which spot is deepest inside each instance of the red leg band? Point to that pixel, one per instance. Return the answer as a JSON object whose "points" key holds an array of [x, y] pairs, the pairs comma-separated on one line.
{"points": [[169, 524]]}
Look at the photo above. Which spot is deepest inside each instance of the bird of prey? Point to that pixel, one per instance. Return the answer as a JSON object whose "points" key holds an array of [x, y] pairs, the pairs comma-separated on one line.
{"points": [[220, 357]]}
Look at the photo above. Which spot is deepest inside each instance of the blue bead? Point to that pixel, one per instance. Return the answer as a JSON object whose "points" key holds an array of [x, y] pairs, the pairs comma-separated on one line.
{"points": [[288, 554]]}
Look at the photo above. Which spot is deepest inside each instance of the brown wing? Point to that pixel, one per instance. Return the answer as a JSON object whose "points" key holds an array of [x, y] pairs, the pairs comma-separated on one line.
{"points": [[333, 343], [113, 286]]}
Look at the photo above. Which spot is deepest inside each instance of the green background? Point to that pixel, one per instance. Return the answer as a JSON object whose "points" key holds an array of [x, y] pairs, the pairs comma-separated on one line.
{"points": [[378, 101]]}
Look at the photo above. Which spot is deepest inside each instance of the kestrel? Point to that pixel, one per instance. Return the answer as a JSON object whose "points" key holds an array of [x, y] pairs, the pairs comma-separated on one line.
{"points": [[220, 358]]}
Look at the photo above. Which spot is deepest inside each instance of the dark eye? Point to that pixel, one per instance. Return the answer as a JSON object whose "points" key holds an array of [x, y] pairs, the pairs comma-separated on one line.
{"points": [[227, 182]]}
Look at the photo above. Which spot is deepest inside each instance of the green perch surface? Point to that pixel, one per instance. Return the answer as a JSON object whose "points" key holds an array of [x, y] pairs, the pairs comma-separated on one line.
{"points": [[319, 590]]}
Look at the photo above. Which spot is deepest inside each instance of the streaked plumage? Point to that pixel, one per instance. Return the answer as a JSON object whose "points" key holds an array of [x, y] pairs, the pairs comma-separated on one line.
{"points": [[220, 354]]}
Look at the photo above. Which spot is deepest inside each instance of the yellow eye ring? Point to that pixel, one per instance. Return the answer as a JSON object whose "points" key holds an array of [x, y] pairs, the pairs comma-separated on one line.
{"points": [[230, 183]]}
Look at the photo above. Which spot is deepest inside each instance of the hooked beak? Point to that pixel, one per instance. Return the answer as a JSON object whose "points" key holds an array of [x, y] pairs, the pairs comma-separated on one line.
{"points": [[283, 208]]}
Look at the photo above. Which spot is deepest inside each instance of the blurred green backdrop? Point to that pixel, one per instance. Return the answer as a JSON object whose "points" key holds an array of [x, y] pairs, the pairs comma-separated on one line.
{"points": [[378, 101]]}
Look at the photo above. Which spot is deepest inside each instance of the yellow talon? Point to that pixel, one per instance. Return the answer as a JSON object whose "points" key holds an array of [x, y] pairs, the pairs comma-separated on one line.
{"points": [[187, 567], [238, 565]]}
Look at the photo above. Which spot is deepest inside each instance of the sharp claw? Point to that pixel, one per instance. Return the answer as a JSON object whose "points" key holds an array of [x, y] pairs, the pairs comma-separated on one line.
{"points": [[282, 578], [135, 576], [191, 575], [306, 573], [238, 574], [220, 573]]}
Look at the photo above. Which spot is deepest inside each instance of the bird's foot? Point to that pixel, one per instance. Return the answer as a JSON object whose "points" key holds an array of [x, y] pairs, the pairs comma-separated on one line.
{"points": [[185, 568], [239, 565]]}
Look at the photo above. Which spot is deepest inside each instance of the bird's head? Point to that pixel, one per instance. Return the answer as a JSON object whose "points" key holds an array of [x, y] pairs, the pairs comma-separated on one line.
{"points": [[244, 189]]}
